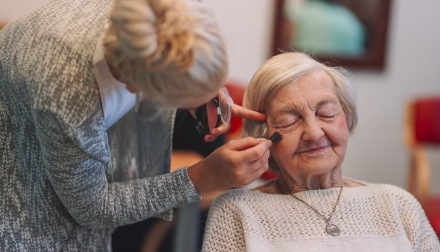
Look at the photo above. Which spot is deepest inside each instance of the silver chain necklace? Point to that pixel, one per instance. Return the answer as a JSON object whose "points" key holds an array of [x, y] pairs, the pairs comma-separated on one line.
{"points": [[331, 229]]}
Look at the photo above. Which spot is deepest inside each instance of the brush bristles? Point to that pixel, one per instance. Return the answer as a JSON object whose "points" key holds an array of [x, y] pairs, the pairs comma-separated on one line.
{"points": [[275, 137]]}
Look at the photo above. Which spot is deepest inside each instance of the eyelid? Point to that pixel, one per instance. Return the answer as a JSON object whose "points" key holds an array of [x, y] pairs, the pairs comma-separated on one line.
{"points": [[285, 117], [283, 124], [333, 115], [327, 110]]}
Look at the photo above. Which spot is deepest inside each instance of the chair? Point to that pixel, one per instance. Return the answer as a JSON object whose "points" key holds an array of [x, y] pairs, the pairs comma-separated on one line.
{"points": [[422, 130]]}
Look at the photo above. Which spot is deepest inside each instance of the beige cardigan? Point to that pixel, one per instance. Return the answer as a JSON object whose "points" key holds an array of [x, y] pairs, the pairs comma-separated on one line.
{"points": [[374, 217]]}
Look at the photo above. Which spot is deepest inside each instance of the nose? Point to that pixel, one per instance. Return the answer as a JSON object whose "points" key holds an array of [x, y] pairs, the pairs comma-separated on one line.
{"points": [[313, 131]]}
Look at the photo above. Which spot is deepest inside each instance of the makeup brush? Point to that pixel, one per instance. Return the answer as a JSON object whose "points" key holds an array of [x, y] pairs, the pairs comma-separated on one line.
{"points": [[275, 137]]}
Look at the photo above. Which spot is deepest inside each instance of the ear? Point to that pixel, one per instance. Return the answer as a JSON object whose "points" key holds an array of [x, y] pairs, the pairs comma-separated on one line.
{"points": [[131, 88]]}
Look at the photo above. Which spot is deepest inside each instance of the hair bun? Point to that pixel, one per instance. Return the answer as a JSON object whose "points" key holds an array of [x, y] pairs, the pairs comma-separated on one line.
{"points": [[171, 50], [160, 30]]}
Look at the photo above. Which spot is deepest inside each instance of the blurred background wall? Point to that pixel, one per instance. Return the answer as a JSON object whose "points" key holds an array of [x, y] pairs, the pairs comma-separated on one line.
{"points": [[376, 152]]}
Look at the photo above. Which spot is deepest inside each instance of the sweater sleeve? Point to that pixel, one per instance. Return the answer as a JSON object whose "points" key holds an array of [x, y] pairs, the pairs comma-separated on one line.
{"points": [[77, 174], [224, 230], [417, 226]]}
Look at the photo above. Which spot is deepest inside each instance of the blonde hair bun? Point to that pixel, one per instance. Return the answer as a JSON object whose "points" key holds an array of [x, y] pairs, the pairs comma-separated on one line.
{"points": [[148, 39]]}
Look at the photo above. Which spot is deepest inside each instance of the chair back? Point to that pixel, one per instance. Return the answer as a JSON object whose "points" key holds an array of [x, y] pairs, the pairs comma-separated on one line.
{"points": [[427, 120], [422, 128]]}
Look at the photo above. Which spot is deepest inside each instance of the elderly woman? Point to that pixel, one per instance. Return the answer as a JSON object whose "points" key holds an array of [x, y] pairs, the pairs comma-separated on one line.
{"points": [[311, 206]]}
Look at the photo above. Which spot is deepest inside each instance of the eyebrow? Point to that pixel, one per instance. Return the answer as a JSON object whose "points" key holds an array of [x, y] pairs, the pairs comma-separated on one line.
{"points": [[325, 102], [290, 110], [287, 110]]}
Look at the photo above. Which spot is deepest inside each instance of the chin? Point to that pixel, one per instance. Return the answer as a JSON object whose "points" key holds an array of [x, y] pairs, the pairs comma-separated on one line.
{"points": [[322, 170], [320, 167]]}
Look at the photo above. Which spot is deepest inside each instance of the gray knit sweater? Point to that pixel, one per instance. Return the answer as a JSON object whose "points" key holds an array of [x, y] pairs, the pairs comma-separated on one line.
{"points": [[57, 161]]}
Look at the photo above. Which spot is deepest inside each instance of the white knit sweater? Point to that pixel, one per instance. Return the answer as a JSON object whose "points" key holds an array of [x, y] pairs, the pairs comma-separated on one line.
{"points": [[374, 217]]}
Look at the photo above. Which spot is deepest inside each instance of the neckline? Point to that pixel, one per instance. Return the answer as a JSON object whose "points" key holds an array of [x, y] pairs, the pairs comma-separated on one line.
{"points": [[321, 193]]}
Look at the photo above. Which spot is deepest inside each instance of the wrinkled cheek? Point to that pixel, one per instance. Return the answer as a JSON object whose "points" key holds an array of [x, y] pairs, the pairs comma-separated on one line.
{"points": [[342, 139], [282, 155], [342, 128], [302, 160], [340, 152], [343, 123]]}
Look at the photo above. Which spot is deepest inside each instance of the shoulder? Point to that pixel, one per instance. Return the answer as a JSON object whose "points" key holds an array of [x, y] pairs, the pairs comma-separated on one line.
{"points": [[236, 199], [51, 53], [391, 195], [391, 190], [245, 202], [230, 197]]}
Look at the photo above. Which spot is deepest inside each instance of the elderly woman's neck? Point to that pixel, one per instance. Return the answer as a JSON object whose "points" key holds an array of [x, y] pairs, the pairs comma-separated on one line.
{"points": [[287, 184]]}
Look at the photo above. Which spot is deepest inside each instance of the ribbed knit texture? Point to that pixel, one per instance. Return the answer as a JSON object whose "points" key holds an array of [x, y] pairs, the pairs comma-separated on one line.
{"points": [[56, 161], [371, 218]]}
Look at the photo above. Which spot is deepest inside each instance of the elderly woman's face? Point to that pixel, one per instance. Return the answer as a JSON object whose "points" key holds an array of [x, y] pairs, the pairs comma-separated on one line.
{"points": [[313, 126]]}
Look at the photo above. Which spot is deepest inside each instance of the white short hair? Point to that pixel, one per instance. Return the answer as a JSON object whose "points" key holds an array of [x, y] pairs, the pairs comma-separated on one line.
{"points": [[285, 69], [170, 49]]}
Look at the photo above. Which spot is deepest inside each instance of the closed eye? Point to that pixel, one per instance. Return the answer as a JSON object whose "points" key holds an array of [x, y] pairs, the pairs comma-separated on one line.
{"points": [[328, 116], [286, 124], [327, 110], [285, 119]]}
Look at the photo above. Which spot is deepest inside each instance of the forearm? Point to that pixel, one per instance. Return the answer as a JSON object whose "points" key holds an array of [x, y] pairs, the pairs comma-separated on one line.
{"points": [[123, 203], [76, 165]]}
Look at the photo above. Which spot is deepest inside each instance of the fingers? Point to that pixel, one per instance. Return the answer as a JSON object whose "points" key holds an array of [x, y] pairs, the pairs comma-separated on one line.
{"points": [[260, 160], [220, 130], [235, 164], [254, 157], [209, 138], [254, 153], [239, 111], [258, 167]]}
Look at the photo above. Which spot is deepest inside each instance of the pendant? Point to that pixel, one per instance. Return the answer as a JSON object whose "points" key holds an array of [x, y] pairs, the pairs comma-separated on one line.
{"points": [[332, 230]]}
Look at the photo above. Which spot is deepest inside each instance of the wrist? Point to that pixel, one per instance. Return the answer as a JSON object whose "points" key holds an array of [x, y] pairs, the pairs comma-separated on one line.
{"points": [[199, 178]]}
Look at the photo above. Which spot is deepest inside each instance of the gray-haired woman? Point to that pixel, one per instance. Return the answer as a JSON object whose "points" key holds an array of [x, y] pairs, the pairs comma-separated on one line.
{"points": [[69, 120], [311, 206]]}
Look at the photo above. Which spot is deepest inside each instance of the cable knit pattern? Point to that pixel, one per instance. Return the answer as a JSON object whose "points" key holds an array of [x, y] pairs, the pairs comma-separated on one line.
{"points": [[374, 217], [57, 161]]}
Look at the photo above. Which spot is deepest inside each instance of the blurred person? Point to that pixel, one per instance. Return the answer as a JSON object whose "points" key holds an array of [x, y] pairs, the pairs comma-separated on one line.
{"points": [[311, 206], [72, 121]]}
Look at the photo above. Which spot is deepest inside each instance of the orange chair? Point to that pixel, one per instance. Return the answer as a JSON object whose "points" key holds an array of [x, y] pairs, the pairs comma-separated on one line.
{"points": [[422, 129]]}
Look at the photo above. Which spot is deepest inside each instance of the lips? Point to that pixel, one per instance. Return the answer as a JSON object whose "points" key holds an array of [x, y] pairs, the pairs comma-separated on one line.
{"points": [[313, 149]]}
